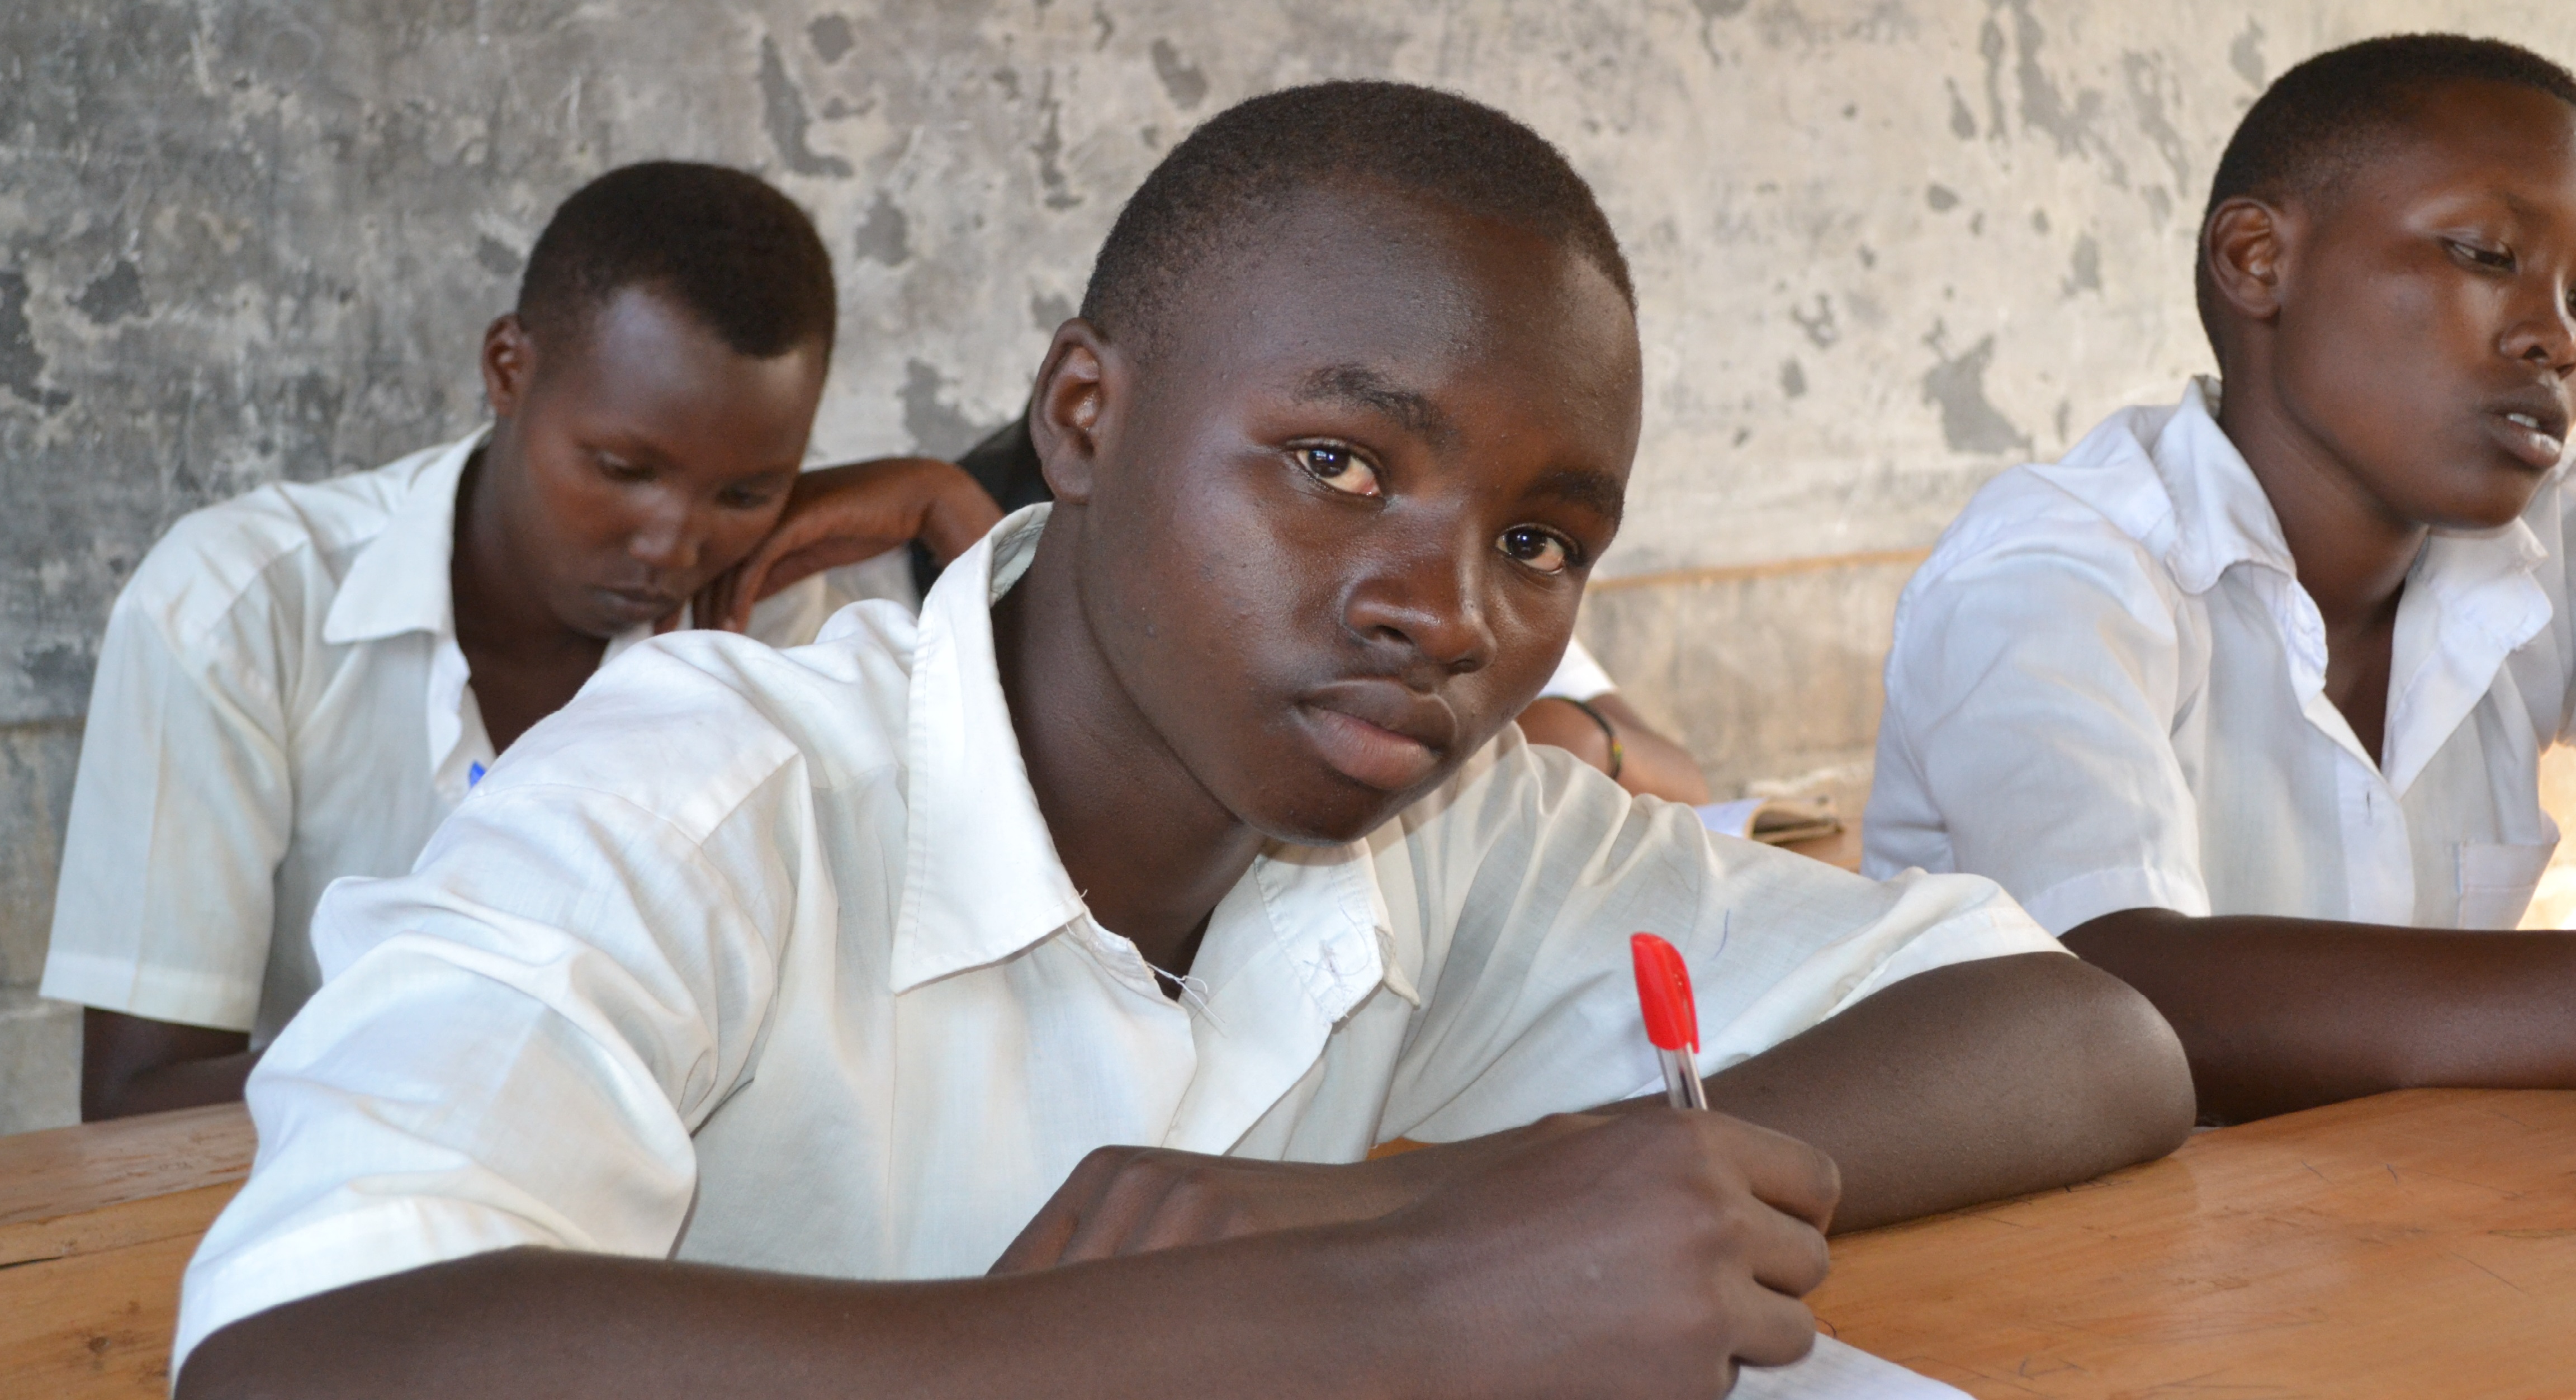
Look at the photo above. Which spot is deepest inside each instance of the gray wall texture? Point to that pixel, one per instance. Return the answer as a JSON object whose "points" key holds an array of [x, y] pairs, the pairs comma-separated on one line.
{"points": [[1884, 248]]}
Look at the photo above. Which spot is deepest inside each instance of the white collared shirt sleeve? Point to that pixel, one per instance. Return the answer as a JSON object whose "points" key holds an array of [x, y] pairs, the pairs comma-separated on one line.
{"points": [[585, 979], [2030, 695], [183, 803], [1540, 870]]}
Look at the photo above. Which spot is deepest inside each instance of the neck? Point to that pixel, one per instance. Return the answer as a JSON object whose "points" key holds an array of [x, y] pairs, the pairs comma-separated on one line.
{"points": [[2352, 551], [1151, 850], [499, 611]]}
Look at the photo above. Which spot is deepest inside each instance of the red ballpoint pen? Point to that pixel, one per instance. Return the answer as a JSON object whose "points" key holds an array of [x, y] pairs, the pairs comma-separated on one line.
{"points": [[1672, 1017]]}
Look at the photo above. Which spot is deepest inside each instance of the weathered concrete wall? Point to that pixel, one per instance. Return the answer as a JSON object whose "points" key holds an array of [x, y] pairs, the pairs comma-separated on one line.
{"points": [[1884, 247]]}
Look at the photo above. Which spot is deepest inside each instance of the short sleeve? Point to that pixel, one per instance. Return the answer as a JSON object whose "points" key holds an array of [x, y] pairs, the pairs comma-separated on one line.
{"points": [[2032, 691], [1542, 868], [180, 813], [1578, 676], [515, 1042]]}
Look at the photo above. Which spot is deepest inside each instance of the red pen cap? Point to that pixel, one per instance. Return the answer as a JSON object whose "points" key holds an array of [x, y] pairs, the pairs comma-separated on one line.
{"points": [[1664, 993]]}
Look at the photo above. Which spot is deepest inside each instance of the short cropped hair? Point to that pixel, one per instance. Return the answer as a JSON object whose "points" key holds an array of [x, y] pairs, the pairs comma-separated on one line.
{"points": [[1245, 166], [2327, 117], [722, 244]]}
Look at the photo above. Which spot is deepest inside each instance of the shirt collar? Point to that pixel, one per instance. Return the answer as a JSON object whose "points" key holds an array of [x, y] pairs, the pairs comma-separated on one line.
{"points": [[981, 876], [2221, 518], [982, 880], [2471, 599], [399, 580]]}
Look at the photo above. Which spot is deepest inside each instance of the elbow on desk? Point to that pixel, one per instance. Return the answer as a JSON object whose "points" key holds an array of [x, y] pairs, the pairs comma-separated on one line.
{"points": [[2135, 1082]]}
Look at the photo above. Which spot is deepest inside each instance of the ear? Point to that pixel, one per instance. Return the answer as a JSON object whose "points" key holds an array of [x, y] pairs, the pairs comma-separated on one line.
{"points": [[1072, 409], [2244, 251], [509, 365]]}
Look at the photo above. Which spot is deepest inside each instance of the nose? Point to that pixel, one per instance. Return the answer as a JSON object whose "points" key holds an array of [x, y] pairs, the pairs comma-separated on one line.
{"points": [[669, 538], [2546, 334], [1428, 600]]}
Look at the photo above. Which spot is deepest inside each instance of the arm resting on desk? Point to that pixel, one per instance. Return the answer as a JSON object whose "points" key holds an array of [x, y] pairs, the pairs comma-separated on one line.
{"points": [[2283, 1014], [1962, 1084], [131, 1064], [1973, 1082], [1697, 1234]]}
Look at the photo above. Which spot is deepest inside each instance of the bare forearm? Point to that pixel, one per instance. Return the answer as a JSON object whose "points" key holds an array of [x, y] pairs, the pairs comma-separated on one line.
{"points": [[1266, 1314], [1649, 765], [188, 1084], [132, 1064], [1972, 1082], [2284, 1014]]}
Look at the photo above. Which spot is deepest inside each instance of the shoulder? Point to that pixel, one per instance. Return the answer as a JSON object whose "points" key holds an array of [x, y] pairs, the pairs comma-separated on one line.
{"points": [[273, 545], [2089, 530], [691, 726]]}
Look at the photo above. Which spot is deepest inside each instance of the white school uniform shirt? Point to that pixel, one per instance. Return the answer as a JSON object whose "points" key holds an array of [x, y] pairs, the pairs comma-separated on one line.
{"points": [[280, 701], [2107, 692], [1577, 677], [766, 958]]}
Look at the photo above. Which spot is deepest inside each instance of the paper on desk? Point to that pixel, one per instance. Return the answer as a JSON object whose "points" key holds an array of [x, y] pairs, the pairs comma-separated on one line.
{"points": [[1834, 1371]]}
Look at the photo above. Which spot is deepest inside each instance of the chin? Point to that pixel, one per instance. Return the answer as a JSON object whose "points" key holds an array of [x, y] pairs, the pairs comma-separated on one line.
{"points": [[1332, 812]]}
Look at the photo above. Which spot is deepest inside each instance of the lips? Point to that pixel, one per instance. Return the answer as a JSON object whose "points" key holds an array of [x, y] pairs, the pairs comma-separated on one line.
{"points": [[1379, 733], [639, 605], [2532, 425]]}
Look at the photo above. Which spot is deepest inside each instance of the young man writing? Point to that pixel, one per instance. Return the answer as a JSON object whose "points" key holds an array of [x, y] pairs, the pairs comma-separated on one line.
{"points": [[299, 684], [775, 995], [2246, 696]]}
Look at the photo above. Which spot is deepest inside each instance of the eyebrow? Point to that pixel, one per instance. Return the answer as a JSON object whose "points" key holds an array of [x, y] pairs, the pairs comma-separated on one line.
{"points": [[1362, 387], [1597, 491]]}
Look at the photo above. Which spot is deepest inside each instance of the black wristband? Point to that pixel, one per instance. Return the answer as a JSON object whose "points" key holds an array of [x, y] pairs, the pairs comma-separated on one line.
{"points": [[1618, 754]]}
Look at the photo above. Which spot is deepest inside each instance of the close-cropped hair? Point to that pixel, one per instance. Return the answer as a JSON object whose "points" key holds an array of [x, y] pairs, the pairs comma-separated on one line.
{"points": [[2328, 116], [740, 257], [1245, 166]]}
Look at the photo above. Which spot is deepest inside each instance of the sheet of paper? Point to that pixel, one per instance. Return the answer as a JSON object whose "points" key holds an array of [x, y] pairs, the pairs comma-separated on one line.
{"points": [[1834, 1371], [1731, 818]]}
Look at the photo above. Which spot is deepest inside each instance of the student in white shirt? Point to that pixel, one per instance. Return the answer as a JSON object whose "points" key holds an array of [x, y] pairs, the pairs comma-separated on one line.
{"points": [[769, 995], [2246, 691], [1578, 710], [299, 684]]}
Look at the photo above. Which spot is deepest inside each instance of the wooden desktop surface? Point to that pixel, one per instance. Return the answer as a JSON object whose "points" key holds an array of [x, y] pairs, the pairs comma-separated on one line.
{"points": [[96, 1223], [2418, 1245]]}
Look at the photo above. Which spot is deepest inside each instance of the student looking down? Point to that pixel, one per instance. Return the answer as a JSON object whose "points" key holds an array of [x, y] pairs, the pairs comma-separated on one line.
{"points": [[1579, 710], [301, 683], [2250, 691], [760, 1001]]}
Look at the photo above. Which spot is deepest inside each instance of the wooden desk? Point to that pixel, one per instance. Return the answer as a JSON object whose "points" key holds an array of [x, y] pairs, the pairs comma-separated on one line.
{"points": [[2412, 1245], [96, 1224], [2417, 1245]]}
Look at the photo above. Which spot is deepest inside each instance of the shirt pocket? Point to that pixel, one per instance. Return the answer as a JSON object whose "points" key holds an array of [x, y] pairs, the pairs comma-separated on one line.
{"points": [[2496, 881]]}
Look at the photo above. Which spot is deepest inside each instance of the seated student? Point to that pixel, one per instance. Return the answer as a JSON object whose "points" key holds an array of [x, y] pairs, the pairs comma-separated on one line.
{"points": [[1187, 815], [1578, 710], [300, 683], [2247, 692]]}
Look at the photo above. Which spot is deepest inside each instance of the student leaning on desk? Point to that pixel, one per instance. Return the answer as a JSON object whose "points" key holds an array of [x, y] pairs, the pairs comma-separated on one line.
{"points": [[1103, 918], [2246, 696], [299, 684]]}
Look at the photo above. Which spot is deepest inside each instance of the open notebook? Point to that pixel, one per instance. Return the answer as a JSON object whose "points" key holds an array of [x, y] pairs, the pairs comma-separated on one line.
{"points": [[1834, 1371], [1773, 820]]}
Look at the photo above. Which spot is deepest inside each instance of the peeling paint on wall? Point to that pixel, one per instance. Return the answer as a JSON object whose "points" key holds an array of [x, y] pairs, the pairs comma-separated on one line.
{"points": [[241, 240]]}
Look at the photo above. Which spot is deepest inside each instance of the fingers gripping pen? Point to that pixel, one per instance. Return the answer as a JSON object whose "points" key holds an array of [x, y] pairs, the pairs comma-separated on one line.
{"points": [[1672, 1017]]}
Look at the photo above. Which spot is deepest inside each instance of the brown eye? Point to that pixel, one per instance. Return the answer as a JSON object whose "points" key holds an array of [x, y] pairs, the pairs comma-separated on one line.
{"points": [[619, 469], [2500, 259], [1543, 550], [1337, 467]]}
